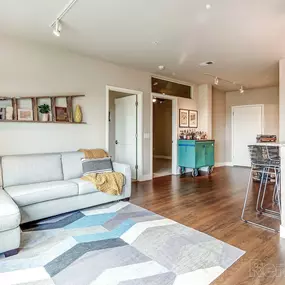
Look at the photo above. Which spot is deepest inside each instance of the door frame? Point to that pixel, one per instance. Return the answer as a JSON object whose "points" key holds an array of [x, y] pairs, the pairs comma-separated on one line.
{"points": [[139, 124], [232, 123], [174, 167]]}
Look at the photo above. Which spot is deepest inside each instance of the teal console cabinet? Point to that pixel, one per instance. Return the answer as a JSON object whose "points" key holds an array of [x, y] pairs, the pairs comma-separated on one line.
{"points": [[196, 154]]}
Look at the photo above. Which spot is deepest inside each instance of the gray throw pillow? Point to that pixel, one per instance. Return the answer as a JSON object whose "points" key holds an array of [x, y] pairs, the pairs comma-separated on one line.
{"points": [[97, 165]]}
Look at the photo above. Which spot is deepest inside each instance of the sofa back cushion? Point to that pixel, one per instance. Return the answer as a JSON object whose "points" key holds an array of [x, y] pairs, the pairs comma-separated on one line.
{"points": [[72, 165], [33, 168]]}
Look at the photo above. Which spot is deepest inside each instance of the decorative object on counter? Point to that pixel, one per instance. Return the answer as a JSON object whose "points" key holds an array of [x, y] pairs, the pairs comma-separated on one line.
{"points": [[183, 118], [193, 119], [77, 114], [266, 138], [44, 109], [9, 113], [192, 134], [61, 114], [25, 115], [2, 113]]}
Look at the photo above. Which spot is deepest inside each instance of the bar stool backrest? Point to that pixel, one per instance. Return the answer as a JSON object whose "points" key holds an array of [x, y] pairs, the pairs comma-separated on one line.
{"points": [[264, 155]]}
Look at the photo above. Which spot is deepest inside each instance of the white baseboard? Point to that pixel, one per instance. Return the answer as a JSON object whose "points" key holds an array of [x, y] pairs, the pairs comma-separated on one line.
{"points": [[162, 156], [146, 177], [220, 164], [282, 231]]}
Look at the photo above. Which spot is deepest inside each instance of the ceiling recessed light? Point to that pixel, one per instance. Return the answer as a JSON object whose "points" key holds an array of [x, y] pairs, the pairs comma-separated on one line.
{"points": [[208, 6], [161, 67], [206, 63]]}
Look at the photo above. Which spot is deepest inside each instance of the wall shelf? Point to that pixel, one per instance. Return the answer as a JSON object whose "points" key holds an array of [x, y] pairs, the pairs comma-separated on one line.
{"points": [[42, 122], [35, 101]]}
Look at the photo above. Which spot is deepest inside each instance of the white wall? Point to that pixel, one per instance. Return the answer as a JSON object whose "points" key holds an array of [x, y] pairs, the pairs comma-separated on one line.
{"points": [[268, 96], [282, 100], [30, 69], [219, 124], [205, 109]]}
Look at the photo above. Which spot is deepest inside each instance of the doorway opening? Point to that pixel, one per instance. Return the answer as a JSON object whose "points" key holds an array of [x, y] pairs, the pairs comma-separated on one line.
{"points": [[162, 137], [124, 127]]}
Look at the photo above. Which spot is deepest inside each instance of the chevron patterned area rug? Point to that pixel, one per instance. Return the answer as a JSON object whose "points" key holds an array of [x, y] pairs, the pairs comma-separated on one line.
{"points": [[115, 244]]}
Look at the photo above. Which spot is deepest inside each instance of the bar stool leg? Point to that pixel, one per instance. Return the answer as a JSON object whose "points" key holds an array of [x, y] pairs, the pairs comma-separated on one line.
{"points": [[246, 195]]}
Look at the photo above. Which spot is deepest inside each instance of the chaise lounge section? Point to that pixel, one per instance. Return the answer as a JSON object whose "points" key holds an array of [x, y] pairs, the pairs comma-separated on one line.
{"points": [[43, 185]]}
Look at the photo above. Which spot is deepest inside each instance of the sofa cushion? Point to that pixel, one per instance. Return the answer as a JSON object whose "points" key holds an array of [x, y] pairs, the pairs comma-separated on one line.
{"points": [[85, 187], [97, 165], [28, 169], [29, 194], [9, 212], [71, 164]]}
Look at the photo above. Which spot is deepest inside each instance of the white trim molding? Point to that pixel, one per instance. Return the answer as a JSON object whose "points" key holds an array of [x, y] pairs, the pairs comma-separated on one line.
{"points": [[146, 177], [139, 124], [282, 231], [220, 164]]}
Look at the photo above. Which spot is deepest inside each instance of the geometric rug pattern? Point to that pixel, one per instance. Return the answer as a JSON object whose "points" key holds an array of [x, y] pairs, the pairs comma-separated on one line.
{"points": [[115, 244]]}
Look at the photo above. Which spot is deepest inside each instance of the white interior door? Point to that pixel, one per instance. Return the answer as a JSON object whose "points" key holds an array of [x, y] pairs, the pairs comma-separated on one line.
{"points": [[126, 131], [247, 124]]}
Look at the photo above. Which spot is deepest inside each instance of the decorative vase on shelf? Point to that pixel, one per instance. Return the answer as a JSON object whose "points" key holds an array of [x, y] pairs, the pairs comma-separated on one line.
{"points": [[45, 117], [77, 114]]}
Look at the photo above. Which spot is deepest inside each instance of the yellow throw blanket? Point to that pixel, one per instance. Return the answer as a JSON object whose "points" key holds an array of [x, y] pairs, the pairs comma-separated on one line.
{"points": [[94, 153], [109, 182]]}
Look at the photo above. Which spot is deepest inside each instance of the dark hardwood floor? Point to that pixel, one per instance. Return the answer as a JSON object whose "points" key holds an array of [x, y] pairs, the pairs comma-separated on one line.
{"points": [[213, 205]]}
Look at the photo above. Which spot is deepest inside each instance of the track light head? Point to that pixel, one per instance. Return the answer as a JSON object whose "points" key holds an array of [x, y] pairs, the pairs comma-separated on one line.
{"points": [[57, 28], [241, 90], [216, 82]]}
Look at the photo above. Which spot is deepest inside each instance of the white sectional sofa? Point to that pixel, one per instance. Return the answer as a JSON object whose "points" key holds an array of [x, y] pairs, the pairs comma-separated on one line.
{"points": [[42, 185]]}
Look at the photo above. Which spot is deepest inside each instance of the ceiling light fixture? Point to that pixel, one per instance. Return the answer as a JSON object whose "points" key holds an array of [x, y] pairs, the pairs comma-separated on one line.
{"points": [[208, 6], [161, 67], [56, 24], [57, 28], [217, 80]]}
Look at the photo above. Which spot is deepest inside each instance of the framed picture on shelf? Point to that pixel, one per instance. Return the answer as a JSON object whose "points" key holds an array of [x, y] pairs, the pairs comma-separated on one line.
{"points": [[61, 114], [193, 119], [183, 118], [2, 113], [25, 115]]}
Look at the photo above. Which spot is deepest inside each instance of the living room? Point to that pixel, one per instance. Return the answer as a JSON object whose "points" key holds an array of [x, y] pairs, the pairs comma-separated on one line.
{"points": [[63, 66]]}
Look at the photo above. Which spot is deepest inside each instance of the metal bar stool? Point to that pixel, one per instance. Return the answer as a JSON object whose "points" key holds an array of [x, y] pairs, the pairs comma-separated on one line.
{"points": [[265, 159]]}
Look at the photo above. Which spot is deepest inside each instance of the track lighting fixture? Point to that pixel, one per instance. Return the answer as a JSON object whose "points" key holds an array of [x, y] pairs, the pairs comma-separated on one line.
{"points": [[217, 80], [57, 28], [56, 24]]}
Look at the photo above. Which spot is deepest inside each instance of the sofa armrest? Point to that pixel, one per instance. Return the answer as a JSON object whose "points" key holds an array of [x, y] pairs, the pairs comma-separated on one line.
{"points": [[126, 170]]}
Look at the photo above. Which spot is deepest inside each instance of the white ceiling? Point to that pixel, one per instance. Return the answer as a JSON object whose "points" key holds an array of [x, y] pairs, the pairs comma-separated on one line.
{"points": [[245, 38]]}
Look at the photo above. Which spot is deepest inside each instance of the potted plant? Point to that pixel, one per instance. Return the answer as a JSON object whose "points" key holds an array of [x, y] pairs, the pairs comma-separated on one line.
{"points": [[44, 109]]}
